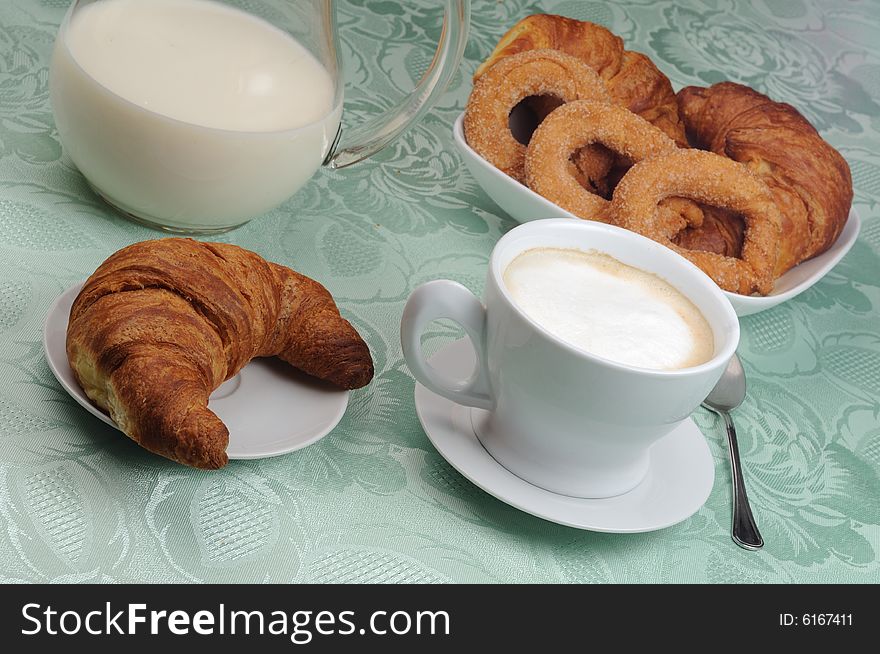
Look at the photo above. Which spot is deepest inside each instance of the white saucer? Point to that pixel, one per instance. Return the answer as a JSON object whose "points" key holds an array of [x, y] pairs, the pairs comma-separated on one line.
{"points": [[679, 479], [269, 407]]}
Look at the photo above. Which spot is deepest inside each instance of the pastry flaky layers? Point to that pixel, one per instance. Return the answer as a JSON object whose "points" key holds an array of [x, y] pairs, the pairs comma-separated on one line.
{"points": [[810, 181], [572, 160], [161, 324]]}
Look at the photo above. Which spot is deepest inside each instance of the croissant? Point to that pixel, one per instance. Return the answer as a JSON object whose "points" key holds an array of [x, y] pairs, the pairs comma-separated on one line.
{"points": [[810, 181], [161, 324], [721, 231]]}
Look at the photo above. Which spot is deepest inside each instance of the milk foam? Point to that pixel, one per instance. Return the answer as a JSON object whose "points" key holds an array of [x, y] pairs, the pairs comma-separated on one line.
{"points": [[601, 305]]}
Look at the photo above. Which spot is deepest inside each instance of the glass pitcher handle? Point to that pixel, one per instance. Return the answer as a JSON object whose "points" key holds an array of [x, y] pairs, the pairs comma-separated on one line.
{"points": [[368, 138]]}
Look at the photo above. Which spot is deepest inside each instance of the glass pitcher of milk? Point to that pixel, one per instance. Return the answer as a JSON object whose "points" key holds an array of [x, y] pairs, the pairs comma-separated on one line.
{"points": [[198, 115]]}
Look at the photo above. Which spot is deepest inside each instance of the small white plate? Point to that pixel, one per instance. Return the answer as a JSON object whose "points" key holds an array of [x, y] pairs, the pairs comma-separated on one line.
{"points": [[269, 407], [679, 479], [524, 205]]}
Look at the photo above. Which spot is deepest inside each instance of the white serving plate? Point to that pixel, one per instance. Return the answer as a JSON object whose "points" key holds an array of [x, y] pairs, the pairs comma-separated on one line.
{"points": [[524, 205]]}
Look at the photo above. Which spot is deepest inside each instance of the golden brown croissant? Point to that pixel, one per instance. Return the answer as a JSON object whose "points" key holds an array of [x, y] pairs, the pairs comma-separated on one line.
{"points": [[809, 179], [161, 324], [721, 231]]}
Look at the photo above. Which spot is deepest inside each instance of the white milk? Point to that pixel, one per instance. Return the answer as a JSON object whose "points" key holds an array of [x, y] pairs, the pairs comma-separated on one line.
{"points": [[605, 307], [190, 112]]}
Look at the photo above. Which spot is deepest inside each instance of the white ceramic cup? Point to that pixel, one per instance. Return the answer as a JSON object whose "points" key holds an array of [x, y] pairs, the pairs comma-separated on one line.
{"points": [[556, 416]]}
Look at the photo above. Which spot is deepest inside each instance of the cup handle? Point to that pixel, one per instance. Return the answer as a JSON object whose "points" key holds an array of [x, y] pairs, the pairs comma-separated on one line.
{"points": [[447, 299], [367, 139]]}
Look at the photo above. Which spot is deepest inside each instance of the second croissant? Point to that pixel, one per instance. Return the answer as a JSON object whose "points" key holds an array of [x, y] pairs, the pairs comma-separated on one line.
{"points": [[161, 324]]}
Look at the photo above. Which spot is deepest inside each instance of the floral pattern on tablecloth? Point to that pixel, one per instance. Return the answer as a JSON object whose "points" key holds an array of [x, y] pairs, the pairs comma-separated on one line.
{"points": [[374, 502]]}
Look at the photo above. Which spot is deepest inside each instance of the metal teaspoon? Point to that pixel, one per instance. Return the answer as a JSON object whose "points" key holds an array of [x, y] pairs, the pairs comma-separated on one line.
{"points": [[728, 394]]}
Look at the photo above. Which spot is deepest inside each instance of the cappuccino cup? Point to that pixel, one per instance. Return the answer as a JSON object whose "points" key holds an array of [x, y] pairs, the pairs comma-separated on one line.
{"points": [[592, 343]]}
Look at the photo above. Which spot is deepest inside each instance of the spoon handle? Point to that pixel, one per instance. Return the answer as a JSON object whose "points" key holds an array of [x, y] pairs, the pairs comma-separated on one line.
{"points": [[745, 531]]}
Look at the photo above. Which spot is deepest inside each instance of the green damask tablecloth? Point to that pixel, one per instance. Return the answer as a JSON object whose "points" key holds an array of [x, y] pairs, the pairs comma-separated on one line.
{"points": [[374, 501]]}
